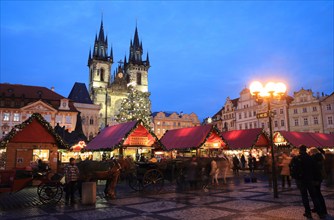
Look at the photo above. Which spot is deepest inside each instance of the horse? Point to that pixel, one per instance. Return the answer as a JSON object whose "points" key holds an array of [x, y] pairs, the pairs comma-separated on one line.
{"points": [[108, 170]]}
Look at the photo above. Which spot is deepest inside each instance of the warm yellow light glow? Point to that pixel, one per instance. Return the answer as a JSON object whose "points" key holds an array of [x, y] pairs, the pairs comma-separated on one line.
{"points": [[270, 87], [280, 88], [255, 87]]}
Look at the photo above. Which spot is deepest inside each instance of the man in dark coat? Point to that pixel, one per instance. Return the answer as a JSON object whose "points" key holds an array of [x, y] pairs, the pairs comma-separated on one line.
{"points": [[302, 170]]}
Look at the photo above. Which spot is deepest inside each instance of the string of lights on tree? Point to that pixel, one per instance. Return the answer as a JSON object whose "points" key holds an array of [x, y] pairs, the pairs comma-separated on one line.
{"points": [[136, 106]]}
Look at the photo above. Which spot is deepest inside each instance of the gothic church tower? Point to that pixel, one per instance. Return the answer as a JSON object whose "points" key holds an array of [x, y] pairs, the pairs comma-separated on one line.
{"points": [[108, 90]]}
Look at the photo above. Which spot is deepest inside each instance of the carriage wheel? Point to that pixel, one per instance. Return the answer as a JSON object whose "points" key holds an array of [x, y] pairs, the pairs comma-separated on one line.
{"points": [[50, 192], [135, 183], [153, 180]]}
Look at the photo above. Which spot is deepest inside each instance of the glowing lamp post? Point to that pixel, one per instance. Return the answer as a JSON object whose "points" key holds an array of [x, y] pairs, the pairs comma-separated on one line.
{"points": [[269, 92]]}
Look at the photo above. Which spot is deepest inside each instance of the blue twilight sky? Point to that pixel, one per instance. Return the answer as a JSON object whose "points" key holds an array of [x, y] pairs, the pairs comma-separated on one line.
{"points": [[200, 51]]}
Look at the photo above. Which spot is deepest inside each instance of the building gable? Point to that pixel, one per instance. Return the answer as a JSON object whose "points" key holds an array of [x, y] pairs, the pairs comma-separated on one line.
{"points": [[39, 107]]}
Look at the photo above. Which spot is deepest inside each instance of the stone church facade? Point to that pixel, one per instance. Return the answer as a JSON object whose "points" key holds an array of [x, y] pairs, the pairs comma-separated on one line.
{"points": [[108, 90]]}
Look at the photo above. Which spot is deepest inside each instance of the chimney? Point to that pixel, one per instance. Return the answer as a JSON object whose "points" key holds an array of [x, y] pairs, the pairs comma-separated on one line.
{"points": [[53, 88]]}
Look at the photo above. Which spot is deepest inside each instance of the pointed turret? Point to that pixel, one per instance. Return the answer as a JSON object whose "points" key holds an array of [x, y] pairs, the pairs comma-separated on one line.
{"points": [[136, 40], [136, 50], [101, 33], [111, 53], [147, 60]]}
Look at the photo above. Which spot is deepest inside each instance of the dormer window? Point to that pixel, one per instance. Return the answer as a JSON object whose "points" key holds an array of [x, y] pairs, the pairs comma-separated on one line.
{"points": [[64, 104]]}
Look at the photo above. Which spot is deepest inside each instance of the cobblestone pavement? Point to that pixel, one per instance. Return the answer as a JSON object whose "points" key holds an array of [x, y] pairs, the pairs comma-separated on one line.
{"points": [[234, 200]]}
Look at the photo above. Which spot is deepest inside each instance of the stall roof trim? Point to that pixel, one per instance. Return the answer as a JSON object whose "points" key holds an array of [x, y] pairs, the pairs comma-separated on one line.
{"points": [[308, 139], [191, 138], [246, 139]]}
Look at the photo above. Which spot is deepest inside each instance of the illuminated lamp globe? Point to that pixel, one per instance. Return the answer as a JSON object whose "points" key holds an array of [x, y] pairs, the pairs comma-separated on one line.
{"points": [[270, 87], [280, 88], [255, 87]]}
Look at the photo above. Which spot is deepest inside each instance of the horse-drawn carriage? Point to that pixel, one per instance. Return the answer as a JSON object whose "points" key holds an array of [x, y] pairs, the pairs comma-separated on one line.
{"points": [[49, 189]]}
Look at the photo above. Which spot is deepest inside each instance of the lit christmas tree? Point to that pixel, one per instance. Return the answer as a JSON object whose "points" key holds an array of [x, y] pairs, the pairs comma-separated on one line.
{"points": [[136, 106]]}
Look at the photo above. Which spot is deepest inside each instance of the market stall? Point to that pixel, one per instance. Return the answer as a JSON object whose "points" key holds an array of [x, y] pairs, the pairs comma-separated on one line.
{"points": [[203, 141], [127, 139], [33, 140]]}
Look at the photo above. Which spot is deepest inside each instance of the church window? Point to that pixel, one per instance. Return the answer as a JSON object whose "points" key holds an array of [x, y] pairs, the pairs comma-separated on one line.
{"points": [[91, 121], [83, 120], [102, 75], [138, 78]]}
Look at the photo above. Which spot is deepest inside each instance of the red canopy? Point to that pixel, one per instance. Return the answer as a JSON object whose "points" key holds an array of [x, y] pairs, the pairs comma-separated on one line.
{"points": [[122, 134], [190, 138], [308, 139], [239, 139]]}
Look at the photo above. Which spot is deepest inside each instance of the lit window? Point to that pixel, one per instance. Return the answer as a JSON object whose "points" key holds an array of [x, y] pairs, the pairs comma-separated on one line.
{"points": [[6, 116], [16, 117]]}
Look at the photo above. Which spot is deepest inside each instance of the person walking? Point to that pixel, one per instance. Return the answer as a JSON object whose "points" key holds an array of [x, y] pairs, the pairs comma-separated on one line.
{"points": [[251, 163], [214, 171], [243, 161], [71, 179], [236, 165], [285, 171], [302, 169], [319, 176]]}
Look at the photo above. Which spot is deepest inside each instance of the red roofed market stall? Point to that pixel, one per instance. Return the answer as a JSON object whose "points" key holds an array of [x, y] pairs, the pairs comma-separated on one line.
{"points": [[30, 141], [201, 141], [126, 139], [295, 139], [245, 142]]}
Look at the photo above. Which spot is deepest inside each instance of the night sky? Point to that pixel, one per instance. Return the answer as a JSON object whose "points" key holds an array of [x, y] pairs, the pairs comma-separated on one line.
{"points": [[200, 51]]}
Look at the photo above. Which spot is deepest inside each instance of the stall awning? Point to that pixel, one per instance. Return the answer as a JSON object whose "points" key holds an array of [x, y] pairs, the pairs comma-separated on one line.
{"points": [[192, 138], [132, 133], [308, 139], [246, 139]]}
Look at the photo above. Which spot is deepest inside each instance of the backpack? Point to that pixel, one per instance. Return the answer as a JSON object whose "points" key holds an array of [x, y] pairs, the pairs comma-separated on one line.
{"points": [[296, 170]]}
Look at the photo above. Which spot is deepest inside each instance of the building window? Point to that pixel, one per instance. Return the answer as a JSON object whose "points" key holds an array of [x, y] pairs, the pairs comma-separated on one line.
{"points": [[330, 120], [68, 119], [304, 110], [6, 116], [254, 113], [255, 125], [328, 107], [314, 108], [246, 126], [262, 125], [250, 125], [296, 122], [178, 124], [239, 115], [295, 111], [249, 114], [138, 78], [276, 124], [16, 117], [245, 114], [305, 121], [315, 120], [47, 118], [281, 111], [275, 112], [158, 130], [102, 75], [282, 123], [91, 121], [240, 127]]}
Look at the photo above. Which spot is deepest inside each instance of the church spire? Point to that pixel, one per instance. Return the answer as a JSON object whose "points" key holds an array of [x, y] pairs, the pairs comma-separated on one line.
{"points": [[136, 49]]}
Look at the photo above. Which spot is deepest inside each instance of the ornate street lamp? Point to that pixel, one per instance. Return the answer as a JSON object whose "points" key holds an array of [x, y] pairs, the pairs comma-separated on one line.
{"points": [[271, 91]]}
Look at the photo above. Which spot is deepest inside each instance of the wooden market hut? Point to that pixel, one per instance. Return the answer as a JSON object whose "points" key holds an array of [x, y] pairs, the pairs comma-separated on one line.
{"points": [[199, 140], [32, 140], [126, 139], [246, 139], [295, 139]]}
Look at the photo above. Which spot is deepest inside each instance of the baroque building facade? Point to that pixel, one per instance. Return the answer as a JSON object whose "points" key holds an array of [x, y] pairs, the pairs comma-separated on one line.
{"points": [[303, 112], [19, 102], [163, 121], [108, 90]]}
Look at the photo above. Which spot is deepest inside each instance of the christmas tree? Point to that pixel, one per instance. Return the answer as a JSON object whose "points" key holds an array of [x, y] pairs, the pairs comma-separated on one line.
{"points": [[136, 106]]}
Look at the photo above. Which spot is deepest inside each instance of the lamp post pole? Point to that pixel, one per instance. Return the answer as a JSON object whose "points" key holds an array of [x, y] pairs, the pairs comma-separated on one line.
{"points": [[269, 92], [273, 163]]}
